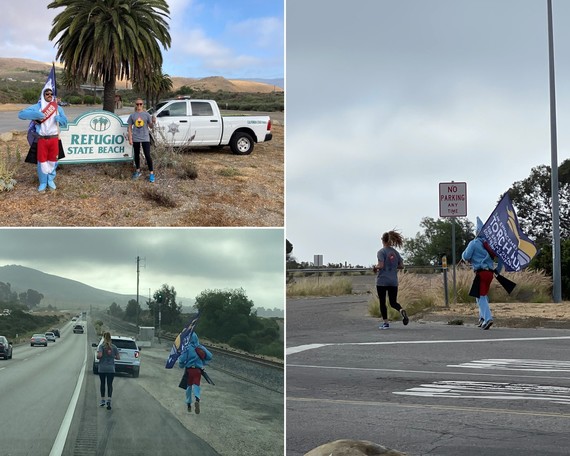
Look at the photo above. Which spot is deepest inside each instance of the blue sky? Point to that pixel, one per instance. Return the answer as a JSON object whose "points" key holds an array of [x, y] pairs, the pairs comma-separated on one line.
{"points": [[237, 39]]}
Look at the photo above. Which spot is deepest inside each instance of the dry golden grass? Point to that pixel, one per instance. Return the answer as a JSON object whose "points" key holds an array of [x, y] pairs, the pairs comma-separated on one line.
{"points": [[204, 194], [320, 286]]}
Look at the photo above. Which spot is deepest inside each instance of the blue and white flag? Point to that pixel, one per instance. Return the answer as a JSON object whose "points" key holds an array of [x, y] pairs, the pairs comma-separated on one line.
{"points": [[505, 237], [50, 84], [181, 342]]}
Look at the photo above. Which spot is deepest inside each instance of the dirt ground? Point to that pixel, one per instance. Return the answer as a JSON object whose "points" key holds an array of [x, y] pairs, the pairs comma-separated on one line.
{"points": [[513, 314], [229, 190]]}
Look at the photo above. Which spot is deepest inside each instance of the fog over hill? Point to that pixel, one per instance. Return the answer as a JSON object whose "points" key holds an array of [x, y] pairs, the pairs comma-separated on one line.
{"points": [[70, 294]]}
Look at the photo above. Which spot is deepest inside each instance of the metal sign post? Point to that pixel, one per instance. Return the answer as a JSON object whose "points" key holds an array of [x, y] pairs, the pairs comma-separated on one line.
{"points": [[453, 203]]}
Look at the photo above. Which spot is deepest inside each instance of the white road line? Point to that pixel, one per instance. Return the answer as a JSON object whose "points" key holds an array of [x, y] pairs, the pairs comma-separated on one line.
{"points": [[302, 348], [490, 390], [533, 365], [59, 444], [425, 372]]}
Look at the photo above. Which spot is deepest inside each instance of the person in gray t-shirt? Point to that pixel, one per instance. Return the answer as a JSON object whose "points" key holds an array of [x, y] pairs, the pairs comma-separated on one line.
{"points": [[389, 262], [107, 353], [139, 123]]}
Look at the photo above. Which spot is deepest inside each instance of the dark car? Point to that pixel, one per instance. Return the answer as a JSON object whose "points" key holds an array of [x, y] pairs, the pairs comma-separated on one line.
{"points": [[5, 348], [55, 331], [78, 329]]}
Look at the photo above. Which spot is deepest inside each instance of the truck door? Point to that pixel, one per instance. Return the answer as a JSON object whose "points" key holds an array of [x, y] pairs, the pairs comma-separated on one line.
{"points": [[205, 124], [173, 123]]}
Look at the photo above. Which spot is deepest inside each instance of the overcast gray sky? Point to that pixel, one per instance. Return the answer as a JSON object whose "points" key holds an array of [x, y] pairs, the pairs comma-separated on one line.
{"points": [[190, 260], [386, 99]]}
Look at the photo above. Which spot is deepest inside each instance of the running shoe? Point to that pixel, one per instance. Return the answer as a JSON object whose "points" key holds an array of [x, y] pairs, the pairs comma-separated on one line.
{"points": [[151, 178], [108, 405], [102, 403], [189, 406], [487, 324], [481, 321], [384, 326], [405, 318], [197, 407], [136, 175]]}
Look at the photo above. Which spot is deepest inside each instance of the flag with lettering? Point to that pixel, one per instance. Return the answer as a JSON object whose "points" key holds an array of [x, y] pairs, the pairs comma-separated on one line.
{"points": [[181, 342], [505, 237], [52, 107]]}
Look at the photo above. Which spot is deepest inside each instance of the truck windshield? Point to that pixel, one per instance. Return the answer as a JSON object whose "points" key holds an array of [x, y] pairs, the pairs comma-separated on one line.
{"points": [[151, 111]]}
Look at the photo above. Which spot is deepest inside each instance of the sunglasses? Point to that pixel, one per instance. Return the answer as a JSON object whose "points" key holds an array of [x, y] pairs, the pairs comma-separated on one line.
{"points": [[139, 104], [48, 93]]}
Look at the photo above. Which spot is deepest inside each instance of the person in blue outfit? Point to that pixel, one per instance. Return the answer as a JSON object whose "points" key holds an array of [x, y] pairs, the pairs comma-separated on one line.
{"points": [[194, 359], [479, 255], [48, 118], [389, 262]]}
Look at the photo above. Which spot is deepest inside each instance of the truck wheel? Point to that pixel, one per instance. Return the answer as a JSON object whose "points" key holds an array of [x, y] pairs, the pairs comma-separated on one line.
{"points": [[241, 143], [136, 372]]}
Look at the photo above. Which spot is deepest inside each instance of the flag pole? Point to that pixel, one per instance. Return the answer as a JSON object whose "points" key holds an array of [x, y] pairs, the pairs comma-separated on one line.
{"points": [[556, 275]]}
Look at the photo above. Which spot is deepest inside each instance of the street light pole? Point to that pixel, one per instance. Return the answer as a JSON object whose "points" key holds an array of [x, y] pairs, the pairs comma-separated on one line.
{"points": [[556, 274]]}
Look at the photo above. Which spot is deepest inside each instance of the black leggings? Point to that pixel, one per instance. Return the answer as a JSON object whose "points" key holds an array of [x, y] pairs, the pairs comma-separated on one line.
{"points": [[109, 378], [392, 296], [146, 151]]}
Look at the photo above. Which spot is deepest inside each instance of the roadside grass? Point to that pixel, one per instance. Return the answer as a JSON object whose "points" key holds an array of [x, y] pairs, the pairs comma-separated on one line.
{"points": [[320, 286], [421, 292], [9, 164]]}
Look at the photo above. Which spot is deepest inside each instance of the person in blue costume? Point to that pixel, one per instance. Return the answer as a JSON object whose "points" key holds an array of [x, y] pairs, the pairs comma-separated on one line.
{"points": [[478, 254], [48, 118], [194, 359]]}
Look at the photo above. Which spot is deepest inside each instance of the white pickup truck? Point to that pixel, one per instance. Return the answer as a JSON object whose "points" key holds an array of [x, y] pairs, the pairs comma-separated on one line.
{"points": [[199, 123]]}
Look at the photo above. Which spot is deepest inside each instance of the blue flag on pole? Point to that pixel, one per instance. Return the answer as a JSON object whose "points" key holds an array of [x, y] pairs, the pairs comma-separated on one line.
{"points": [[504, 235], [181, 342], [50, 84]]}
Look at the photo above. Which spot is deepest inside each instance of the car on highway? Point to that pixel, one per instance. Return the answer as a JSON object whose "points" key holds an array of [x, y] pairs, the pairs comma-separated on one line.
{"points": [[50, 337], [5, 348], [38, 339], [56, 332], [78, 329], [129, 352]]}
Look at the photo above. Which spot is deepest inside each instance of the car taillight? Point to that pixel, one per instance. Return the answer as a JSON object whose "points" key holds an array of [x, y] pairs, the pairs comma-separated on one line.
{"points": [[137, 354], [269, 125]]}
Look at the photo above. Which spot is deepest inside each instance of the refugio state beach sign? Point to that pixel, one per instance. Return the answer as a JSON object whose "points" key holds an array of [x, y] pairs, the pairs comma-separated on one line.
{"points": [[96, 136]]}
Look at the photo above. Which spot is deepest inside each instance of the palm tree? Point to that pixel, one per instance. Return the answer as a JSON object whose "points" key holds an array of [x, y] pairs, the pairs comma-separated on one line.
{"points": [[107, 39], [153, 84]]}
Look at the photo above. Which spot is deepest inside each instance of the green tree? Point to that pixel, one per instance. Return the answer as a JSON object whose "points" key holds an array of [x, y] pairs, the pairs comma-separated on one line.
{"points": [[224, 313], [153, 84], [132, 311], [31, 298], [164, 300], [115, 310], [532, 198], [428, 247], [110, 39]]}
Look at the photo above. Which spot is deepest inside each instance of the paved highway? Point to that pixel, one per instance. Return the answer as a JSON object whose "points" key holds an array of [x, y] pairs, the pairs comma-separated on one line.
{"points": [[424, 389], [49, 406]]}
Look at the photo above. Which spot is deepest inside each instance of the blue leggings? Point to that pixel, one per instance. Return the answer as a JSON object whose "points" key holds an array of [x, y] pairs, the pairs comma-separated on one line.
{"points": [[109, 377]]}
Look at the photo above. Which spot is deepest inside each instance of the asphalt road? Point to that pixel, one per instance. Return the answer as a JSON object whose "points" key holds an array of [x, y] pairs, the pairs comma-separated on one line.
{"points": [[9, 119], [49, 406], [425, 388]]}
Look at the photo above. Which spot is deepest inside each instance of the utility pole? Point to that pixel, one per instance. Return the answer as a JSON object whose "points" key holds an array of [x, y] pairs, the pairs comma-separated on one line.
{"points": [[138, 281], [556, 265]]}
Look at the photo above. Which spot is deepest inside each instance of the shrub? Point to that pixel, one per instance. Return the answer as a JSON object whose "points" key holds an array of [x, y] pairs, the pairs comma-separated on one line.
{"points": [[320, 286], [8, 166]]}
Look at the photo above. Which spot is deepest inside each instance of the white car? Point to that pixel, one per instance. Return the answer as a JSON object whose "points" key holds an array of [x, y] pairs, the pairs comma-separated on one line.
{"points": [[50, 337], [129, 352]]}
